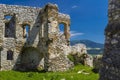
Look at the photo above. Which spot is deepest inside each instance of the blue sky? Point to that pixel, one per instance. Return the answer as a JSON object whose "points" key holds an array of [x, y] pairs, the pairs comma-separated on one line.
{"points": [[88, 17]]}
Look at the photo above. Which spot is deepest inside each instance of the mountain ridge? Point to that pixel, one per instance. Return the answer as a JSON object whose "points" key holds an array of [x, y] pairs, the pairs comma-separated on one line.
{"points": [[88, 43]]}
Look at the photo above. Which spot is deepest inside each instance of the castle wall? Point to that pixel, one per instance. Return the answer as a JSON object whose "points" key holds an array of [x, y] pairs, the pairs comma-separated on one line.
{"points": [[54, 43], [111, 59], [20, 16], [31, 38]]}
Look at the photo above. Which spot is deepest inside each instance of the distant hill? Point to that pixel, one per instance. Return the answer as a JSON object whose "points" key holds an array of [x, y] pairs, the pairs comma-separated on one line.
{"points": [[88, 43], [93, 47]]}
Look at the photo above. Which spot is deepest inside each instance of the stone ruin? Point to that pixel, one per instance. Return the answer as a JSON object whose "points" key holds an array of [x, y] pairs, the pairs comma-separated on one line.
{"points": [[111, 59], [30, 38], [80, 56]]}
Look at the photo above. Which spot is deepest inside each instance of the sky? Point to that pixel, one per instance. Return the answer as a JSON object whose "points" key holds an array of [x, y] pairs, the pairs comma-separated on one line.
{"points": [[88, 17]]}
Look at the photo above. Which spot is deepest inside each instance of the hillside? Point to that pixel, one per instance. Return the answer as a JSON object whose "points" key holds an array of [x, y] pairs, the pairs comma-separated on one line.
{"points": [[93, 47], [88, 43]]}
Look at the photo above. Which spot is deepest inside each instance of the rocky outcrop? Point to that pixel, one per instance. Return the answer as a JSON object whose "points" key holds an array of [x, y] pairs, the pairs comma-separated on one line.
{"points": [[80, 56], [78, 49], [84, 59]]}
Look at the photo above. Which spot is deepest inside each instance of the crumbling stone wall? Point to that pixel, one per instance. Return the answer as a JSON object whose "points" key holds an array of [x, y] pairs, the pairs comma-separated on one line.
{"points": [[80, 55], [20, 16], [43, 37], [111, 58], [55, 58]]}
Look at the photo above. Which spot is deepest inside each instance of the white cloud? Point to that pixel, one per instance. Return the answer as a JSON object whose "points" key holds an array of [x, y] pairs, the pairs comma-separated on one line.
{"points": [[74, 33], [74, 6], [61, 32]]}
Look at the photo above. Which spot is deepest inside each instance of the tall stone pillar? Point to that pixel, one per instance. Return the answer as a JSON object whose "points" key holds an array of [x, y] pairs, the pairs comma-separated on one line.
{"points": [[67, 33], [111, 58], [55, 58], [48, 30]]}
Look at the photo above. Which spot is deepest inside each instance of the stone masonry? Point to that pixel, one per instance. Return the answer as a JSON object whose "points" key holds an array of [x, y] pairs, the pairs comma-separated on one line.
{"points": [[30, 38], [111, 59]]}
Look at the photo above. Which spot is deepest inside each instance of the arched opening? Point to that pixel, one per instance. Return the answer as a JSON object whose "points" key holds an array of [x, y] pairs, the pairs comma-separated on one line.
{"points": [[8, 17], [26, 30], [64, 30], [61, 28]]}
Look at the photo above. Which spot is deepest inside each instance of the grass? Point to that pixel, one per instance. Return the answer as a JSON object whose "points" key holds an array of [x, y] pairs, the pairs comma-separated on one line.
{"points": [[68, 75]]}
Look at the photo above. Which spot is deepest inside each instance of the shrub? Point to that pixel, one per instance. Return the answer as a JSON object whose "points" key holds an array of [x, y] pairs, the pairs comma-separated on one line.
{"points": [[70, 57]]}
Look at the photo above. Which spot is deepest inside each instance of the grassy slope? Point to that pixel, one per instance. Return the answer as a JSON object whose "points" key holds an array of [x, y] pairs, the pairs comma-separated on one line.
{"points": [[69, 75]]}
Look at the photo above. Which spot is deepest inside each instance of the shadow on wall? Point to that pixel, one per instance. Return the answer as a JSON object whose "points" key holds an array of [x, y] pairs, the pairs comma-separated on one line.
{"points": [[30, 58]]}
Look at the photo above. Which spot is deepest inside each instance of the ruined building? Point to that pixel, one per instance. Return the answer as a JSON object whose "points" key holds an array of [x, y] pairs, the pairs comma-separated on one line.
{"points": [[30, 38], [111, 58]]}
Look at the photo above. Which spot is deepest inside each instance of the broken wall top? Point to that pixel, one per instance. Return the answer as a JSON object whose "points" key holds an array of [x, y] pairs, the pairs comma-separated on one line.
{"points": [[20, 10]]}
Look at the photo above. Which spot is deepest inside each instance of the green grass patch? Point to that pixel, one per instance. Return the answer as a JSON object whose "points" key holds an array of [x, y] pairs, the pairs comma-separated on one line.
{"points": [[70, 57], [72, 74]]}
